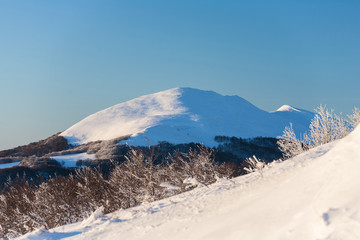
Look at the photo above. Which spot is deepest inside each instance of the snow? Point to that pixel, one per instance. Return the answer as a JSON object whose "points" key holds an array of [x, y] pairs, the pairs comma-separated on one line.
{"points": [[71, 159], [315, 195], [7, 165], [129, 118], [183, 115], [287, 108]]}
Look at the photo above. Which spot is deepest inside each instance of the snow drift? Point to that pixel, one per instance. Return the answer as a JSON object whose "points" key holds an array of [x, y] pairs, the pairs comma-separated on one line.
{"points": [[183, 115], [315, 195]]}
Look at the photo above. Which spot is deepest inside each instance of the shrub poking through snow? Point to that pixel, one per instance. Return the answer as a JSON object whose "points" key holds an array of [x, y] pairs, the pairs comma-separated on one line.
{"points": [[355, 117], [255, 165], [61, 200], [325, 127], [289, 144]]}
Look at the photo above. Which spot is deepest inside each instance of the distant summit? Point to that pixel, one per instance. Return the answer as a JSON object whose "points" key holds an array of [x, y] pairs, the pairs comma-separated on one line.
{"points": [[183, 115], [287, 108]]}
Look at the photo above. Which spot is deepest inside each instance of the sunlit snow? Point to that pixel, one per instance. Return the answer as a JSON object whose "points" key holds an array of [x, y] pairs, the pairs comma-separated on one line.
{"points": [[287, 108], [315, 195], [183, 115]]}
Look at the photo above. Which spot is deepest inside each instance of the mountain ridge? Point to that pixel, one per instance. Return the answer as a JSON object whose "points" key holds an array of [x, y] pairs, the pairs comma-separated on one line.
{"points": [[183, 115]]}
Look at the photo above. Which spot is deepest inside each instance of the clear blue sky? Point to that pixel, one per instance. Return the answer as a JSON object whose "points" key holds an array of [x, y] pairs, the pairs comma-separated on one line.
{"points": [[63, 60]]}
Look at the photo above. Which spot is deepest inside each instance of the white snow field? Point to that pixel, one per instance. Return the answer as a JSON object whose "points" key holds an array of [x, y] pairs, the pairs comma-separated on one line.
{"points": [[183, 115], [315, 195]]}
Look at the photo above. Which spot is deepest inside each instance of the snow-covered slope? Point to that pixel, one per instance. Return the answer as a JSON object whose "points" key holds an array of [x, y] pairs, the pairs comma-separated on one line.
{"points": [[183, 115], [315, 195]]}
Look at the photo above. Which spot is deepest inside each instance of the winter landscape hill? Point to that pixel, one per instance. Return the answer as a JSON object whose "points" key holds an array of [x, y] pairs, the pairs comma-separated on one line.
{"points": [[315, 195], [178, 116], [188, 194], [183, 115]]}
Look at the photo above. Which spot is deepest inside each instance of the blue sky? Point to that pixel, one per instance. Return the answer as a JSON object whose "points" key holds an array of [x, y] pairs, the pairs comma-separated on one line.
{"points": [[61, 61]]}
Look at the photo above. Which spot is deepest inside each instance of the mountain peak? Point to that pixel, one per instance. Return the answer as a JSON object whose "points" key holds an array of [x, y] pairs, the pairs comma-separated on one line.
{"points": [[181, 115], [287, 108]]}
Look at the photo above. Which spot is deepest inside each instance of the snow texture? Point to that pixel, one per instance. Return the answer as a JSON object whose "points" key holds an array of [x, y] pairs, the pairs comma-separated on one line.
{"points": [[183, 115], [315, 195]]}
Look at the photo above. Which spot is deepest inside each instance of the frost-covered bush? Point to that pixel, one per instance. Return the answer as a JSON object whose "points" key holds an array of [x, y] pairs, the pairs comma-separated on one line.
{"points": [[255, 165], [289, 145], [354, 117], [325, 127]]}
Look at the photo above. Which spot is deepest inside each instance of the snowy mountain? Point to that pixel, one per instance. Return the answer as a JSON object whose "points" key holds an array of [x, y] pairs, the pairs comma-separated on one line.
{"points": [[315, 195], [183, 115]]}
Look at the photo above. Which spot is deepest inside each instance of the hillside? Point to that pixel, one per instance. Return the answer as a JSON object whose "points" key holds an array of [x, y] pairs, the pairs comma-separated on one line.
{"points": [[179, 116], [315, 195], [183, 115]]}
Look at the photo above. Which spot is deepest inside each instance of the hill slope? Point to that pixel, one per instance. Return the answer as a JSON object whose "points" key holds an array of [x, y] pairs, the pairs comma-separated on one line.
{"points": [[315, 195], [183, 115]]}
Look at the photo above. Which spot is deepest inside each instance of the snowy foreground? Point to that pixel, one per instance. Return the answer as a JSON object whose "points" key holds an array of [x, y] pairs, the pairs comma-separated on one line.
{"points": [[313, 196]]}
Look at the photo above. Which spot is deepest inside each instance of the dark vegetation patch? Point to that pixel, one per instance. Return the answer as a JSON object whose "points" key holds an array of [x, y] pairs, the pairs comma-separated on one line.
{"points": [[26, 205], [40, 192], [240, 149], [36, 175], [54, 143], [231, 150], [4, 160]]}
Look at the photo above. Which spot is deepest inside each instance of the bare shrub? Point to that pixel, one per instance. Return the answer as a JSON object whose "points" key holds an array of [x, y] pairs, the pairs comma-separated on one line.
{"points": [[18, 213], [107, 150], [137, 179], [255, 165], [199, 164], [62, 200]]}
